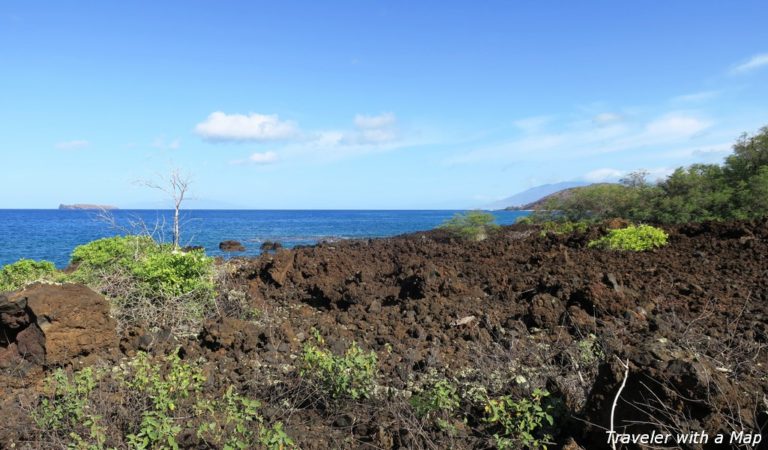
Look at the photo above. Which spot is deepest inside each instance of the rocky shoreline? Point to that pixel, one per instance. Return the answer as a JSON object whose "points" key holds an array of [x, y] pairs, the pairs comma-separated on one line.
{"points": [[510, 314]]}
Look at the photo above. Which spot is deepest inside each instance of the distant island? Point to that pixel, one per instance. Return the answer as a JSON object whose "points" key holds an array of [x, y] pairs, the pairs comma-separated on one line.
{"points": [[80, 206]]}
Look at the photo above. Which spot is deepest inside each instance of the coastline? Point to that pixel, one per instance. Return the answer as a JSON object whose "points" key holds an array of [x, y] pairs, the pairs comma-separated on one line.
{"points": [[427, 304]]}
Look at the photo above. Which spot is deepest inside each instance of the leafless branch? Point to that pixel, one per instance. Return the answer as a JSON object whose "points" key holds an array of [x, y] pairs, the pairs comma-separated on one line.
{"points": [[176, 186], [612, 431]]}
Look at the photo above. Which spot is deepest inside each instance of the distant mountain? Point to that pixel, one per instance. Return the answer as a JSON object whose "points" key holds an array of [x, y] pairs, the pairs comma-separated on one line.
{"points": [[87, 206], [542, 202], [533, 194]]}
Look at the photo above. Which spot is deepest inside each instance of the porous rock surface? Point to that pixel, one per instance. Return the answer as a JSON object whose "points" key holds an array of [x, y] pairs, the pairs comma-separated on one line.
{"points": [[516, 310], [54, 325]]}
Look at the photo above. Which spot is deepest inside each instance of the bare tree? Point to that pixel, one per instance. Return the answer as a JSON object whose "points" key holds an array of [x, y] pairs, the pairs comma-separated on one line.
{"points": [[636, 179], [177, 187]]}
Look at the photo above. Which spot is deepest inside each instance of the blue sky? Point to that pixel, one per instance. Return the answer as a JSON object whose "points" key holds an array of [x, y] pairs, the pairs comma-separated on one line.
{"points": [[366, 104]]}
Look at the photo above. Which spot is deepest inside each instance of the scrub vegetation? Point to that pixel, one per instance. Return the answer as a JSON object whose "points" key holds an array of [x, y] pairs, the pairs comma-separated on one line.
{"points": [[734, 190]]}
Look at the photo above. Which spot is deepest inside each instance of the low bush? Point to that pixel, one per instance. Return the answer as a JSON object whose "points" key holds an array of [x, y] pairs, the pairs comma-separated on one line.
{"points": [[440, 398], [472, 225], [594, 202], [563, 227], [149, 403], [524, 220], [589, 350], [151, 284], [107, 252], [350, 376], [159, 266], [17, 275], [524, 423], [633, 238], [176, 273], [65, 411], [437, 403]]}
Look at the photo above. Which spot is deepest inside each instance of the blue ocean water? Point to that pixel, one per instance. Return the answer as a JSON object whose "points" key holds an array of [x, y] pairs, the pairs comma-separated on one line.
{"points": [[52, 234]]}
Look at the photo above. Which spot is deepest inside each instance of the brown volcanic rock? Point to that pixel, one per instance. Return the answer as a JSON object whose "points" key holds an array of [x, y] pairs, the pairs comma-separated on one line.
{"points": [[691, 320], [231, 246], [279, 267], [545, 311], [54, 325], [229, 334], [690, 317], [271, 246]]}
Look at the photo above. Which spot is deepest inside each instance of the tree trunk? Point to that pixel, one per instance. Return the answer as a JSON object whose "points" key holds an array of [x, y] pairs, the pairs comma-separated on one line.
{"points": [[176, 228]]}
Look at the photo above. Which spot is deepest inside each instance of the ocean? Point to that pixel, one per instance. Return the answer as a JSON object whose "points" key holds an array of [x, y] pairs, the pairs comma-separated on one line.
{"points": [[53, 234]]}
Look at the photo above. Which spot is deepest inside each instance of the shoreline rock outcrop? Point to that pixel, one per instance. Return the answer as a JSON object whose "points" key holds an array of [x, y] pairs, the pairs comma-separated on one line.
{"points": [[518, 311], [231, 246], [49, 325]]}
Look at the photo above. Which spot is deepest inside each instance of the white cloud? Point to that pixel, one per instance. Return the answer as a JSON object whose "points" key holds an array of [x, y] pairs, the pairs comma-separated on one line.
{"points": [[606, 175], [532, 124], [376, 136], [366, 134], [371, 134], [659, 173], [543, 146], [371, 130], [719, 150], [603, 175], [709, 151], [373, 122], [328, 138], [72, 145], [240, 127], [263, 158], [755, 62], [696, 97], [586, 139], [675, 126], [162, 144], [607, 118]]}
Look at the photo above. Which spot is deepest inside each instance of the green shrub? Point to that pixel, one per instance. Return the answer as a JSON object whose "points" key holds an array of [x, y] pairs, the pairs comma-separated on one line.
{"points": [[438, 403], [564, 227], [524, 220], [158, 266], [441, 398], [175, 392], [176, 273], [275, 438], [472, 225], [151, 284], [349, 376], [147, 403], [633, 238], [524, 423], [66, 411], [589, 350], [734, 190], [593, 202], [166, 383], [118, 250], [17, 275]]}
